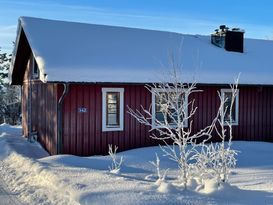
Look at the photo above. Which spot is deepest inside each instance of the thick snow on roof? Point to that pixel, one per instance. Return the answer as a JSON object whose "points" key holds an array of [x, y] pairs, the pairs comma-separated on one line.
{"points": [[67, 51]]}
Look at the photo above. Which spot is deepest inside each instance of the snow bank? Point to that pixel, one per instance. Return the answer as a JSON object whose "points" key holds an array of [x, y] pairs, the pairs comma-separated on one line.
{"points": [[166, 187], [66, 179], [34, 182], [4, 151], [5, 129]]}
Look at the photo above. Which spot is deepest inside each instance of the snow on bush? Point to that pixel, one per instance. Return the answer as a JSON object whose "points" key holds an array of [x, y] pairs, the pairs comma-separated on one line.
{"points": [[161, 175], [223, 154], [116, 164], [166, 187], [216, 159], [175, 125]]}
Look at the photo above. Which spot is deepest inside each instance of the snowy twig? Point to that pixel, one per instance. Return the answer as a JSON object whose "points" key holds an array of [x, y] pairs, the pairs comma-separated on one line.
{"points": [[156, 164], [116, 165], [177, 110]]}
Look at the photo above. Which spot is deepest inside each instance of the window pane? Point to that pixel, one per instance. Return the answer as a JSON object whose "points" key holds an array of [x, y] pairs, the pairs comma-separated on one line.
{"points": [[112, 114], [112, 97], [112, 119], [35, 68], [112, 108], [159, 116], [228, 96], [162, 106], [35, 72], [173, 116]]}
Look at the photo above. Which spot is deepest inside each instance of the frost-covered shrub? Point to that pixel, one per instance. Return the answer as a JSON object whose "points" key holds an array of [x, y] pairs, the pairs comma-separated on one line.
{"points": [[160, 174], [116, 163], [177, 108], [215, 161]]}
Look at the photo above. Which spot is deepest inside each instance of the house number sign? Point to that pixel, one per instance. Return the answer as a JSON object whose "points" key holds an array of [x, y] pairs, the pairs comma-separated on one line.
{"points": [[82, 109]]}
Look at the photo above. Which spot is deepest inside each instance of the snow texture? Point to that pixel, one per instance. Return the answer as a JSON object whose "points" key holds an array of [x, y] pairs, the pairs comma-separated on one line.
{"points": [[65, 179], [77, 52], [6, 197]]}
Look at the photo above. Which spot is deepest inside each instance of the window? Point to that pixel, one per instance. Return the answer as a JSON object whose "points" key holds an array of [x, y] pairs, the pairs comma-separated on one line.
{"points": [[35, 69], [112, 109], [227, 94], [161, 106]]}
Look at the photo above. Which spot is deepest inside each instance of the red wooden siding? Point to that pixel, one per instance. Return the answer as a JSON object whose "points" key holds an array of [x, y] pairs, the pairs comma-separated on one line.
{"points": [[24, 108], [44, 114], [255, 111], [82, 132], [39, 109], [25, 97]]}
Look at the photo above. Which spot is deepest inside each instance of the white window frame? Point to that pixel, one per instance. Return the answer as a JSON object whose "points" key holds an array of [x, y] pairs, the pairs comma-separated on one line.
{"points": [[153, 107], [106, 128], [236, 104]]}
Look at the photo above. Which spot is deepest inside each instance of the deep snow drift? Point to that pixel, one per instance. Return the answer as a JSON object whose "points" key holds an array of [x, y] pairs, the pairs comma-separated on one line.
{"points": [[65, 179]]}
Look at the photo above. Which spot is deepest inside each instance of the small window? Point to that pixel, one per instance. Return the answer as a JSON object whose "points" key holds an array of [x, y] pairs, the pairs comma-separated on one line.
{"points": [[112, 102], [35, 69], [160, 105], [227, 94], [112, 109]]}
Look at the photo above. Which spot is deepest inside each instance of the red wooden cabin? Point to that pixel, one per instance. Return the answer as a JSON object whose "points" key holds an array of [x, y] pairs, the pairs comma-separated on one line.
{"points": [[78, 79]]}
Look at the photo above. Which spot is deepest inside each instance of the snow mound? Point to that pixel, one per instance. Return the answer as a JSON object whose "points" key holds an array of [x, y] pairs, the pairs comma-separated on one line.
{"points": [[166, 187], [192, 184], [5, 150], [67, 179], [33, 181], [8, 129], [210, 186]]}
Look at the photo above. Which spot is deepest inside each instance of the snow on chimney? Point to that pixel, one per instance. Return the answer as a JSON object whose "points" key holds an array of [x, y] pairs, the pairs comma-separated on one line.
{"points": [[231, 40]]}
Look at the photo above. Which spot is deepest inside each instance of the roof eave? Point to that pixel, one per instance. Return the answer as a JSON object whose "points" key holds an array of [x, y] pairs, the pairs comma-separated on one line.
{"points": [[20, 56], [14, 53]]}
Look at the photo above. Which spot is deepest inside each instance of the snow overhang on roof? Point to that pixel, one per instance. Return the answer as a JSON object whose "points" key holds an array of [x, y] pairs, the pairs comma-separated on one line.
{"points": [[78, 52]]}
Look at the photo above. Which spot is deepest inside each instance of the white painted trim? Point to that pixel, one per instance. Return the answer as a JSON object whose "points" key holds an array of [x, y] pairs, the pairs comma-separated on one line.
{"points": [[236, 122], [105, 128], [153, 107]]}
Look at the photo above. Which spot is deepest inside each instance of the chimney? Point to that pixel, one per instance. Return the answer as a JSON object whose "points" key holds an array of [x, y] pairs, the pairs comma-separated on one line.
{"points": [[231, 40]]}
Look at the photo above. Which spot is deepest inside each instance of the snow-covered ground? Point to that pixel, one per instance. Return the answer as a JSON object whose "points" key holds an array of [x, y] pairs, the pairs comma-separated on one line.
{"points": [[41, 179]]}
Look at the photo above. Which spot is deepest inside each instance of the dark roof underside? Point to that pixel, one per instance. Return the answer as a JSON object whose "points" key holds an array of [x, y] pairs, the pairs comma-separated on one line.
{"points": [[21, 58]]}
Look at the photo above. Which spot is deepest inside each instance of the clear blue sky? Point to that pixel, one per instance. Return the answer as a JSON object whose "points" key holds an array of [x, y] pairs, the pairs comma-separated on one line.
{"points": [[185, 16]]}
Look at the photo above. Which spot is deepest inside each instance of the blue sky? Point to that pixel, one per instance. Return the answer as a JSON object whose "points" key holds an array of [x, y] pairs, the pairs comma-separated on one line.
{"points": [[184, 16]]}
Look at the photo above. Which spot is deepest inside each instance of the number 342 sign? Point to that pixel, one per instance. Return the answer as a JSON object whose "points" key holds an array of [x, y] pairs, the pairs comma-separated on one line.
{"points": [[82, 109]]}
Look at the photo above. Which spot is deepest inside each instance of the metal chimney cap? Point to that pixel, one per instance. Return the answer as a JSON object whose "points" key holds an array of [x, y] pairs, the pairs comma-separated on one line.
{"points": [[222, 27]]}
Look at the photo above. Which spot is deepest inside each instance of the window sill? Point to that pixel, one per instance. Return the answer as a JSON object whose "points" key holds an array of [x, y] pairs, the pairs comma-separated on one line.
{"points": [[232, 124], [112, 128], [172, 126]]}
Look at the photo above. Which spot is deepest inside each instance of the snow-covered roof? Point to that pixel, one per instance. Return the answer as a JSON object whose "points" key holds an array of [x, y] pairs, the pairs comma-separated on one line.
{"points": [[68, 51]]}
